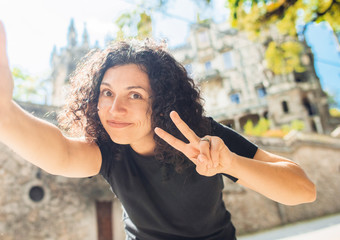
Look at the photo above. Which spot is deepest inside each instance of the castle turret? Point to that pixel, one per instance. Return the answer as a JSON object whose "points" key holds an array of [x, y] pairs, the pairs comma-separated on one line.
{"points": [[85, 43], [72, 35]]}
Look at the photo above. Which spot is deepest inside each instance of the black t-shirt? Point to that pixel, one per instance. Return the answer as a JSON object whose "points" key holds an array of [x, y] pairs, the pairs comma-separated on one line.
{"points": [[184, 206]]}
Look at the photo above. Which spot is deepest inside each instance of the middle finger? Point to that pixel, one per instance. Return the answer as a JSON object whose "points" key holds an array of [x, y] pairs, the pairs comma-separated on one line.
{"points": [[184, 128]]}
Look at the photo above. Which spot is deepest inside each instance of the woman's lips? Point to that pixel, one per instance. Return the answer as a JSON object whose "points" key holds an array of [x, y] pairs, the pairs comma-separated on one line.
{"points": [[117, 124]]}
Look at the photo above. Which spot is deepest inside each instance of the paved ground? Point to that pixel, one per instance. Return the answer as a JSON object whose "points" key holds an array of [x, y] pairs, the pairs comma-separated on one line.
{"points": [[326, 228]]}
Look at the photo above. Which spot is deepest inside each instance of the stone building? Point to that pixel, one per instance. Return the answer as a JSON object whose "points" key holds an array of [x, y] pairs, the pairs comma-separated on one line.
{"points": [[237, 86]]}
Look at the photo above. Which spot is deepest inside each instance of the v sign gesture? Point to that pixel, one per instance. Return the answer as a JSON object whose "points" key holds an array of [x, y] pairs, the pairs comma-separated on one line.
{"points": [[210, 155], [273, 176]]}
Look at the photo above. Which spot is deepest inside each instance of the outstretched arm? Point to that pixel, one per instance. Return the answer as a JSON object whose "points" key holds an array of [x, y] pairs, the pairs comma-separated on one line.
{"points": [[40, 142], [273, 176]]}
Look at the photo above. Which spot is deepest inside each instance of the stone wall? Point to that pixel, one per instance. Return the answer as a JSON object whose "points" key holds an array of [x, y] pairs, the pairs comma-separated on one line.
{"points": [[65, 212], [319, 156]]}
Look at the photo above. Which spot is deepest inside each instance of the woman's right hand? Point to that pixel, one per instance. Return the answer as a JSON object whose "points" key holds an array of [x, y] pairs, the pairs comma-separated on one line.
{"points": [[6, 80]]}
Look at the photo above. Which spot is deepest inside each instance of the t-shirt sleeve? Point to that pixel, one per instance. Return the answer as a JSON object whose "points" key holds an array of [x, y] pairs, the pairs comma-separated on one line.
{"points": [[105, 150], [234, 141]]}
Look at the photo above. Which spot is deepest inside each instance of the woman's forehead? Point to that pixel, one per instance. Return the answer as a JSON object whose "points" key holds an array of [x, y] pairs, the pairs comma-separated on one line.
{"points": [[129, 74]]}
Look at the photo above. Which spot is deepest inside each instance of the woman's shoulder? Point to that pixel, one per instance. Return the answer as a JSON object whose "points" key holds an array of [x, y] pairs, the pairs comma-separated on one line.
{"points": [[234, 140], [219, 128]]}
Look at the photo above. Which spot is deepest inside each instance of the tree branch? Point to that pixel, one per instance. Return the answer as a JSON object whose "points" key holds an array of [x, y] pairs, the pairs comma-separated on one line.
{"points": [[278, 11]]}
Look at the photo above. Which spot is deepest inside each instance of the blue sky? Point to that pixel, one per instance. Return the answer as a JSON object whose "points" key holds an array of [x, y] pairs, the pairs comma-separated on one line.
{"points": [[327, 57], [34, 27]]}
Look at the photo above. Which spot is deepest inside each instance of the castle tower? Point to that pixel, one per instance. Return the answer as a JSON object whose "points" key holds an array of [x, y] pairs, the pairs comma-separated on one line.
{"points": [[64, 62], [85, 43], [72, 35]]}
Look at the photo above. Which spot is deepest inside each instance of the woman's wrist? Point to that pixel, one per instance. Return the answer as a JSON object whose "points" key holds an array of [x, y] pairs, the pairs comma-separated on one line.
{"points": [[230, 162]]}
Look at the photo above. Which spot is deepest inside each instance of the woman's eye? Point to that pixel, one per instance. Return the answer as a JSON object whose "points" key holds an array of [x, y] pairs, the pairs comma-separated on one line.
{"points": [[106, 93], [135, 96]]}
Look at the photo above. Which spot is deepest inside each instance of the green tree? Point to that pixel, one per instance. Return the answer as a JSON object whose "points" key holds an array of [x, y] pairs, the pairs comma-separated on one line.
{"points": [[137, 22], [134, 24], [259, 129], [334, 112], [257, 17], [27, 88], [331, 98], [262, 128]]}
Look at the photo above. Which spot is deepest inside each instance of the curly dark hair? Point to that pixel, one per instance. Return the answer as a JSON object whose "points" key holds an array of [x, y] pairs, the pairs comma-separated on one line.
{"points": [[172, 89]]}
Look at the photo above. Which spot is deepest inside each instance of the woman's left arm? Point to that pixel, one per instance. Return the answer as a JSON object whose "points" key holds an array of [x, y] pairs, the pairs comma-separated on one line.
{"points": [[273, 176]]}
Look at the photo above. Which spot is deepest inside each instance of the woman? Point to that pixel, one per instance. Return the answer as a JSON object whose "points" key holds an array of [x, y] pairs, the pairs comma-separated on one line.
{"points": [[145, 133]]}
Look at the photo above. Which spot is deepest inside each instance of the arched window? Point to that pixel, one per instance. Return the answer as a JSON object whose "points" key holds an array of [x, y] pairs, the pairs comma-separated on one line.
{"points": [[309, 107], [285, 107]]}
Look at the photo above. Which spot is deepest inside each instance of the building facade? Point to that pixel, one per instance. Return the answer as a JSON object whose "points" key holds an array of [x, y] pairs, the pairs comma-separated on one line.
{"points": [[237, 86]]}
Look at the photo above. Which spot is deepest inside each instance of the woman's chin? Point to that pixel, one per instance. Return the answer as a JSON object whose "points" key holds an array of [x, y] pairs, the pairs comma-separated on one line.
{"points": [[120, 141]]}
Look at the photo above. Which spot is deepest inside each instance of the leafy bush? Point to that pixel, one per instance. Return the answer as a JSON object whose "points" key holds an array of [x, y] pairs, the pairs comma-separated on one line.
{"points": [[262, 128], [334, 112]]}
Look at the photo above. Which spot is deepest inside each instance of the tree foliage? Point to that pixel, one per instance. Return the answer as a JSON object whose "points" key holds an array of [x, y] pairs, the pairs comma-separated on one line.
{"points": [[334, 112], [27, 88], [263, 128], [291, 18], [258, 18], [137, 22], [134, 24], [284, 58], [259, 129]]}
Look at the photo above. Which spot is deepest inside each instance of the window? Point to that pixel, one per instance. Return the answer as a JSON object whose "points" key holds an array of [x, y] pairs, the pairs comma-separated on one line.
{"points": [[227, 58], [261, 92], [235, 98], [203, 37], [208, 66], [285, 107], [36, 193], [300, 77], [309, 107]]}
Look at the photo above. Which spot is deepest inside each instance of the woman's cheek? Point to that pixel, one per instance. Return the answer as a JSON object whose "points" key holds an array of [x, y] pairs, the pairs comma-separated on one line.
{"points": [[103, 104]]}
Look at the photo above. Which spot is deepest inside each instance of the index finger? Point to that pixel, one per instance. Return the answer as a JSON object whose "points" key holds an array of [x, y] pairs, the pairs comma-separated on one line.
{"points": [[171, 140], [3, 52], [184, 128]]}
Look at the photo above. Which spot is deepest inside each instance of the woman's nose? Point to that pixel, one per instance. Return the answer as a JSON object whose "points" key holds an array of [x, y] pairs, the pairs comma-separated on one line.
{"points": [[118, 106]]}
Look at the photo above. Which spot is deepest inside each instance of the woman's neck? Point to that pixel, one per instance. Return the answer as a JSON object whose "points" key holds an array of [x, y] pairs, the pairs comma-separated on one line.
{"points": [[145, 149]]}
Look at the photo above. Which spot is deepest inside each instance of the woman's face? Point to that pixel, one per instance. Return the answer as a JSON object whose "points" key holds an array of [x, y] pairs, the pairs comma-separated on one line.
{"points": [[125, 109]]}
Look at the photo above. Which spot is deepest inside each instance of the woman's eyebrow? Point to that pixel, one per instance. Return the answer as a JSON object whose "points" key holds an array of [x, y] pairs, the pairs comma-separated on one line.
{"points": [[136, 87], [128, 88], [105, 83]]}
